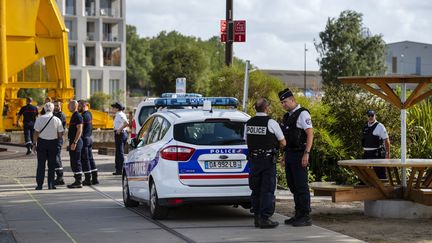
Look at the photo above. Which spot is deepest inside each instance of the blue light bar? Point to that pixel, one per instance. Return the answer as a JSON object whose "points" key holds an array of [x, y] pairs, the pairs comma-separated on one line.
{"points": [[194, 102], [176, 95]]}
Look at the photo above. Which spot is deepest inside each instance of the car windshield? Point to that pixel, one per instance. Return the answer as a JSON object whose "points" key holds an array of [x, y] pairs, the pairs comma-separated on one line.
{"points": [[145, 112], [210, 133]]}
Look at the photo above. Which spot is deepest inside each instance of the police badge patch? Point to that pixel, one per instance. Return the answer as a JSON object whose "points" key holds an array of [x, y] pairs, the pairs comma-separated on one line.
{"points": [[308, 121]]}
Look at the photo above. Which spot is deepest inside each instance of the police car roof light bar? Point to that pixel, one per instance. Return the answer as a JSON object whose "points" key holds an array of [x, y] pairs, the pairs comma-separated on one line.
{"points": [[177, 95], [195, 102]]}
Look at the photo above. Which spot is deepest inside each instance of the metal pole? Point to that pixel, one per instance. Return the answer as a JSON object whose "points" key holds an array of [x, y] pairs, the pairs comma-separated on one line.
{"points": [[246, 85], [403, 135], [229, 42], [305, 50]]}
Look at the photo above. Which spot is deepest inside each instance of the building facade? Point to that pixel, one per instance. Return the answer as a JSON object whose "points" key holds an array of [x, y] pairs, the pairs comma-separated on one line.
{"points": [[97, 46], [408, 57], [296, 79]]}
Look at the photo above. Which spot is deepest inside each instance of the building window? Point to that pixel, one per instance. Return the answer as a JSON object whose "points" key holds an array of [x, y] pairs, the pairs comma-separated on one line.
{"points": [[90, 54], [110, 32], [95, 86], [394, 64], [114, 86], [70, 26], [91, 31], [110, 8], [70, 7], [72, 55], [112, 56], [90, 8], [73, 84], [418, 65]]}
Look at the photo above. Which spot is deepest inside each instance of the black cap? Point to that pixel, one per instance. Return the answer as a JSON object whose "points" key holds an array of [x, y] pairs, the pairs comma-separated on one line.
{"points": [[285, 94], [118, 105], [370, 113]]}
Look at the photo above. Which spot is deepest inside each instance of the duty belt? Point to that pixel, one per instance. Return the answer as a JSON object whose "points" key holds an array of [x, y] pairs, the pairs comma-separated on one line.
{"points": [[261, 152]]}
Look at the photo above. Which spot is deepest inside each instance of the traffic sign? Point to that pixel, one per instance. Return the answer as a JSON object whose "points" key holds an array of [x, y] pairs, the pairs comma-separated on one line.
{"points": [[239, 31]]}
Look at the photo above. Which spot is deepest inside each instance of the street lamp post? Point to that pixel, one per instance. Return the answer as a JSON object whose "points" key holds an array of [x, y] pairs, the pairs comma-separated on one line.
{"points": [[305, 50]]}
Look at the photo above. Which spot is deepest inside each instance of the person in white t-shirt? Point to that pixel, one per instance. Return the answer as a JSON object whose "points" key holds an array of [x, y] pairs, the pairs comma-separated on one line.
{"points": [[48, 129], [120, 135], [375, 142]]}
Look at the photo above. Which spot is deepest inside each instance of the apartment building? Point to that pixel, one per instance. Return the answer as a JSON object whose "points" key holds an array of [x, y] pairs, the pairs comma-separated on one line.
{"points": [[97, 46]]}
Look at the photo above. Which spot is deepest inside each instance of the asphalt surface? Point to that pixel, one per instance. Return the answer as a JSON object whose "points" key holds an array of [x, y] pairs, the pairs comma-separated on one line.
{"points": [[97, 214]]}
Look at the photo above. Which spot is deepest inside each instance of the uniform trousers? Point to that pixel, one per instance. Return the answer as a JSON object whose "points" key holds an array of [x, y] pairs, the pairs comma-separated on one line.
{"points": [[87, 161], [262, 182], [297, 179], [376, 154], [28, 135], [46, 150], [120, 140], [75, 158], [59, 164]]}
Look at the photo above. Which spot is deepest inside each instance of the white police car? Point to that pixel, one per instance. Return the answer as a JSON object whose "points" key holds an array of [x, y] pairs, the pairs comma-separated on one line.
{"points": [[186, 156]]}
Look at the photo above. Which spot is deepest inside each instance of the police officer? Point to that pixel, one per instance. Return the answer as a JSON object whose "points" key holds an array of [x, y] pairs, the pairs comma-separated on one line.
{"points": [[264, 136], [375, 142], [88, 163], [75, 143], [59, 166], [48, 129], [29, 112], [120, 135], [298, 131]]}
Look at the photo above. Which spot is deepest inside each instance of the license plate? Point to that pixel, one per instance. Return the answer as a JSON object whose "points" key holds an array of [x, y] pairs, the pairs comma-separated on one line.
{"points": [[223, 164]]}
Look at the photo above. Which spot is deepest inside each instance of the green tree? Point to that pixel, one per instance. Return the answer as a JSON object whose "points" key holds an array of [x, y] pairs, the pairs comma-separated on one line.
{"points": [[183, 61], [99, 101], [138, 60]]}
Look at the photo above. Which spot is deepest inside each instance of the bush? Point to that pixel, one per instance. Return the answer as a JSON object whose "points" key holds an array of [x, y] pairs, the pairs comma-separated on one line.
{"points": [[99, 101]]}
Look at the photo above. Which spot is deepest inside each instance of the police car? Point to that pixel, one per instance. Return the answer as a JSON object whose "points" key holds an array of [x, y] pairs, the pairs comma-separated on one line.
{"points": [[147, 107], [187, 156]]}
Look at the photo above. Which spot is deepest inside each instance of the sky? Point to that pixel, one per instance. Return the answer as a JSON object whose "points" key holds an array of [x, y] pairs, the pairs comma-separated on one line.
{"points": [[277, 30]]}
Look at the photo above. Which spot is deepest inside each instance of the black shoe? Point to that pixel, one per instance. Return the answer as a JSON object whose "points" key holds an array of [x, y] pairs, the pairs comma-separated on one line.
{"points": [[87, 180], [117, 173], [94, 179], [290, 220], [38, 188], [76, 184], [59, 182], [267, 224], [256, 221], [28, 152], [52, 187], [302, 221]]}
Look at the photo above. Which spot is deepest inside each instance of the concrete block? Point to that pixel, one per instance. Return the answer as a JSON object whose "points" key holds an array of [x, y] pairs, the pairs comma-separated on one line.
{"points": [[397, 209]]}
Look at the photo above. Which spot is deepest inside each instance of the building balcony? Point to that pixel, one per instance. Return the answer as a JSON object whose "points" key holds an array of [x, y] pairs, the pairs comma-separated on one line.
{"points": [[110, 12], [90, 12], [91, 36], [110, 37]]}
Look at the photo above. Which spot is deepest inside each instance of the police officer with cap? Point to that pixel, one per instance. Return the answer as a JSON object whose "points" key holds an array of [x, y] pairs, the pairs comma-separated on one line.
{"points": [[264, 136], [88, 163], [75, 143], [375, 142], [29, 112], [297, 127], [120, 135]]}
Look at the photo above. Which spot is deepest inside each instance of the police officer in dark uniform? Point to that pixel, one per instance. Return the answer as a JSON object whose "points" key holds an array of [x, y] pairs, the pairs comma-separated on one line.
{"points": [[75, 143], [29, 112], [297, 128], [88, 163], [264, 136], [375, 142], [59, 165]]}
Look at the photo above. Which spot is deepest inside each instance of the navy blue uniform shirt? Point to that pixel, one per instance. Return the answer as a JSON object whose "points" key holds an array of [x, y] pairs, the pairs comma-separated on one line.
{"points": [[87, 124], [75, 120], [62, 118], [29, 113]]}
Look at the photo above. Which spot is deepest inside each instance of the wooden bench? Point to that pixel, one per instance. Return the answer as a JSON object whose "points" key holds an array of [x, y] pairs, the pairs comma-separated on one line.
{"points": [[346, 193]]}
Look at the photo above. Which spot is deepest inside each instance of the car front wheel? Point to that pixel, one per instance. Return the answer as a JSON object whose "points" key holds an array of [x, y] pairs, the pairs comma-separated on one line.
{"points": [[156, 211]]}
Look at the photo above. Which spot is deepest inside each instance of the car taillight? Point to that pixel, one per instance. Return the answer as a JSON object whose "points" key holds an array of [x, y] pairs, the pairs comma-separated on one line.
{"points": [[133, 130], [177, 153]]}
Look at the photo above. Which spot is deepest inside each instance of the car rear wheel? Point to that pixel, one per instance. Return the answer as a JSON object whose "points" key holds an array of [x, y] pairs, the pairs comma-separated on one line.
{"points": [[128, 202], [156, 211]]}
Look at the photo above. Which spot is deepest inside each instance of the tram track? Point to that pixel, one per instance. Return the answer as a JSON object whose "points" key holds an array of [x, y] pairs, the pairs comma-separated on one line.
{"points": [[147, 217]]}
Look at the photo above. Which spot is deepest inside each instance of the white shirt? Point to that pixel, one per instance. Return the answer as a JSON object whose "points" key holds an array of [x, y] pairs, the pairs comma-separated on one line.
{"points": [[272, 126], [119, 119], [304, 121], [51, 131], [379, 131]]}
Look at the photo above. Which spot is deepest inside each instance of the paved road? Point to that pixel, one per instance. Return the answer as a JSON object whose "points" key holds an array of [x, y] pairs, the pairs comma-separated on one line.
{"points": [[96, 214]]}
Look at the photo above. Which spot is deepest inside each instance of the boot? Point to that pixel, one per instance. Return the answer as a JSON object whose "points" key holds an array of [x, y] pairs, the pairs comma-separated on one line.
{"points": [[94, 180], [59, 181], [304, 220], [87, 181], [292, 219], [77, 183], [267, 224], [256, 221], [29, 147]]}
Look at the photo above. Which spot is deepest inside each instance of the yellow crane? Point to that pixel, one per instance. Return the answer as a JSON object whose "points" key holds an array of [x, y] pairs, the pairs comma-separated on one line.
{"points": [[31, 30]]}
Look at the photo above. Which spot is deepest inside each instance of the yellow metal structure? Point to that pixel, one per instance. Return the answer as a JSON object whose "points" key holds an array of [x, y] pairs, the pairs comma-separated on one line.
{"points": [[31, 30]]}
